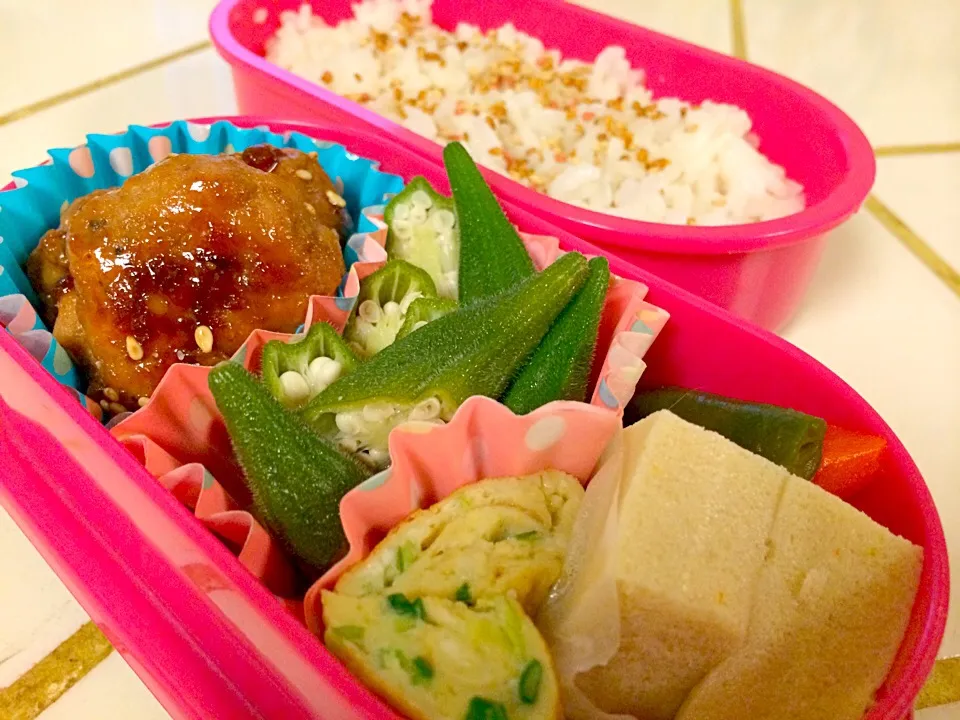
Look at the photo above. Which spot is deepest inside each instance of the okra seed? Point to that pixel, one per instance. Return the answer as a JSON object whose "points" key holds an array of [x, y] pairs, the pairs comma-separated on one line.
{"points": [[350, 444], [322, 372], [401, 212], [419, 324], [111, 394], [117, 408], [294, 386], [378, 456], [443, 220], [142, 402], [348, 423], [429, 409], [391, 309], [304, 174], [421, 199], [377, 412], [370, 311]]}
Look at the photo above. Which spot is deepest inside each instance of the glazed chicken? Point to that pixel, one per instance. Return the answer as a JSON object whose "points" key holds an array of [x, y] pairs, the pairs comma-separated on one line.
{"points": [[183, 261]]}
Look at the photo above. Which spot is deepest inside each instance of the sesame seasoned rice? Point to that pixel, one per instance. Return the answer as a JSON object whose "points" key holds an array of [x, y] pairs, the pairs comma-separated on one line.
{"points": [[590, 134]]}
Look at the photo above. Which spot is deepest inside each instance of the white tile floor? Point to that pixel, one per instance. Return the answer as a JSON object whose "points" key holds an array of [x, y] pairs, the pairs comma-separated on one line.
{"points": [[875, 314]]}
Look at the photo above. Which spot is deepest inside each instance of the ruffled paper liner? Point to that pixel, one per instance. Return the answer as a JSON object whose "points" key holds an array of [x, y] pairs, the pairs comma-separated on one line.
{"points": [[42, 192], [195, 488], [180, 425], [484, 439], [20, 319]]}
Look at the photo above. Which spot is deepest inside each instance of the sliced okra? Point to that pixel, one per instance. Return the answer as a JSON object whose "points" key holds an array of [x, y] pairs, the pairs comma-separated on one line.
{"points": [[382, 304], [422, 229], [295, 372], [423, 311]]}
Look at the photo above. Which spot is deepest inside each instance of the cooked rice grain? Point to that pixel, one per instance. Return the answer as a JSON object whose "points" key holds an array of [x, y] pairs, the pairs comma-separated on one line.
{"points": [[588, 134]]}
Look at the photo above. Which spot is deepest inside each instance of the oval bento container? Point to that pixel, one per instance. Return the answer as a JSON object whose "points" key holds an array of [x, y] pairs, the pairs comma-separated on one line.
{"points": [[211, 641], [758, 271]]}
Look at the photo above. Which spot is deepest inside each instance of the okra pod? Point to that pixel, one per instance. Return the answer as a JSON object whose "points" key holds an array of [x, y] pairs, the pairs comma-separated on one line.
{"points": [[492, 255], [560, 368], [791, 439], [296, 478]]}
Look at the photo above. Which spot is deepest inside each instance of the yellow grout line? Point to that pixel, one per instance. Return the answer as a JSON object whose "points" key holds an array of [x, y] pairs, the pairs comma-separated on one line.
{"points": [[943, 685], [914, 243], [738, 29], [41, 686], [54, 100], [930, 149]]}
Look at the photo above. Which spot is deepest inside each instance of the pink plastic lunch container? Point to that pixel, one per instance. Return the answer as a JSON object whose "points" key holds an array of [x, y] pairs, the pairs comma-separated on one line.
{"points": [[210, 641], [759, 271]]}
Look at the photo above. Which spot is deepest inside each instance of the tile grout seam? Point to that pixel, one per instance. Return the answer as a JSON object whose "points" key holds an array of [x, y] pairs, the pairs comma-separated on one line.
{"points": [[932, 260], [882, 151], [49, 679], [738, 30], [54, 100]]}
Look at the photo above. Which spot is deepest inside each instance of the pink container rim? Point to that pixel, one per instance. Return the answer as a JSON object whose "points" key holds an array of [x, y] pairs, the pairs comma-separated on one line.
{"points": [[842, 200], [182, 657]]}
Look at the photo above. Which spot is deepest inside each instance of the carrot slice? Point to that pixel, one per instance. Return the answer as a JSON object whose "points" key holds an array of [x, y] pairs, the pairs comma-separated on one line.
{"points": [[850, 460]]}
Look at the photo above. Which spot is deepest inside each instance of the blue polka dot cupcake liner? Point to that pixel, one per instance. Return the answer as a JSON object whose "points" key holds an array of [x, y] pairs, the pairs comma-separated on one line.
{"points": [[33, 206]]}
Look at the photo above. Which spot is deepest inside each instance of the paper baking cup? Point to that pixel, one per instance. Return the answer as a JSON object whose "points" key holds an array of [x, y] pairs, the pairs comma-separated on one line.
{"points": [[40, 194]]}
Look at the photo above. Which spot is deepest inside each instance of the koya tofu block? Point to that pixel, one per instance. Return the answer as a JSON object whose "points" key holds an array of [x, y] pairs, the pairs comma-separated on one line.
{"points": [[832, 605], [695, 513]]}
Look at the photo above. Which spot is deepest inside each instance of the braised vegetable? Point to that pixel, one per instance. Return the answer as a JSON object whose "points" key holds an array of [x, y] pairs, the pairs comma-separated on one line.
{"points": [[560, 368], [791, 439], [423, 311], [492, 255], [429, 373], [382, 303], [295, 372], [850, 460], [423, 230], [296, 478]]}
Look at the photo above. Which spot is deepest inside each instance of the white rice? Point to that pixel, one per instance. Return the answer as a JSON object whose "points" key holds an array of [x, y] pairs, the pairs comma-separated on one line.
{"points": [[588, 134]]}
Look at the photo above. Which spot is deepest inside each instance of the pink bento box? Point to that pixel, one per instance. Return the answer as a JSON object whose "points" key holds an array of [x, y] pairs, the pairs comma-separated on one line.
{"points": [[759, 271], [210, 641]]}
